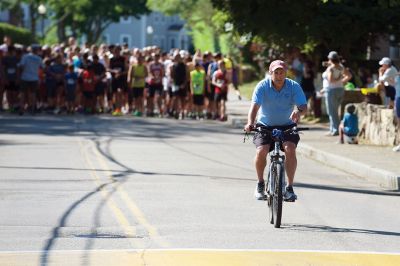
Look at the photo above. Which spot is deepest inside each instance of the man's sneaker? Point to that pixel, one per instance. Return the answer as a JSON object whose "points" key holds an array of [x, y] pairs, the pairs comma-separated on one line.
{"points": [[259, 193], [289, 194]]}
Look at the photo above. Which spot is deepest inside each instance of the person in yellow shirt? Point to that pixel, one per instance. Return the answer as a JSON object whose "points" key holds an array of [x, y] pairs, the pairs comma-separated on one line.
{"points": [[197, 88], [136, 81]]}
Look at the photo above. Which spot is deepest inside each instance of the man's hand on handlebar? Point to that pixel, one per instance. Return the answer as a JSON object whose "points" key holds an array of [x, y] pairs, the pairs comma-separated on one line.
{"points": [[248, 127], [295, 116]]}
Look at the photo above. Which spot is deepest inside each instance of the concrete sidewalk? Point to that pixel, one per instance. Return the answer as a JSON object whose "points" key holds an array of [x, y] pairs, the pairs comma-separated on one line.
{"points": [[375, 164]]}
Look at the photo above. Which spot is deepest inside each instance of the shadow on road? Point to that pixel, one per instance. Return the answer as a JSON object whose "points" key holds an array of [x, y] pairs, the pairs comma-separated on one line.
{"points": [[329, 229], [350, 190], [108, 126]]}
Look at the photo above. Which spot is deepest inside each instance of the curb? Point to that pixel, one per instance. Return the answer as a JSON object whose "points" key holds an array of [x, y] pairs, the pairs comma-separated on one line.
{"points": [[384, 179], [237, 121]]}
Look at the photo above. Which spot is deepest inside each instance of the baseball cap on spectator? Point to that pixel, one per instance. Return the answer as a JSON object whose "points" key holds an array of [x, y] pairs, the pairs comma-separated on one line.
{"points": [[333, 55], [183, 53], [385, 61], [277, 64], [35, 48]]}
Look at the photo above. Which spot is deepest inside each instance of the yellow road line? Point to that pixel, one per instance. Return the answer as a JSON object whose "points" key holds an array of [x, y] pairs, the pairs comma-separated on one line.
{"points": [[208, 258], [132, 206], [129, 230]]}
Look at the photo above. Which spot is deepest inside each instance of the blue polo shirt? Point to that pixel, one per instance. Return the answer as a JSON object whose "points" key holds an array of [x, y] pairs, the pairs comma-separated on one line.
{"points": [[277, 106]]}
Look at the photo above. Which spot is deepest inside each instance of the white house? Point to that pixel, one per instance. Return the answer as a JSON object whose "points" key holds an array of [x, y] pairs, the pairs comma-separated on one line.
{"points": [[155, 28], [166, 32]]}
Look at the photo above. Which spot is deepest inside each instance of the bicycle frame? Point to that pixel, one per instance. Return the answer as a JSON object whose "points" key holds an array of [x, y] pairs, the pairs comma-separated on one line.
{"points": [[276, 158]]}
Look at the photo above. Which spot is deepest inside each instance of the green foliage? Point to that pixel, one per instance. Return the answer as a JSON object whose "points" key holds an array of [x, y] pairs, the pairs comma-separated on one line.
{"points": [[51, 37], [204, 22], [18, 35], [92, 17], [247, 89], [203, 37], [348, 26]]}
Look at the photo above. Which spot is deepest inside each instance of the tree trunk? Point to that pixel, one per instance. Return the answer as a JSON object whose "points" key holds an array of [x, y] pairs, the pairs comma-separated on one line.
{"points": [[61, 31], [15, 17], [32, 16]]}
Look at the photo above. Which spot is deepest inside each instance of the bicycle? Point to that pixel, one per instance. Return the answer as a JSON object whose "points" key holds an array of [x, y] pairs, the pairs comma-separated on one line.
{"points": [[276, 183]]}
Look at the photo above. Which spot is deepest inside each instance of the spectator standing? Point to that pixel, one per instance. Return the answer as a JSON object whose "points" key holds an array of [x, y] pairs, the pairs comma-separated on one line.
{"points": [[119, 79], [178, 87], [197, 86], [57, 69], [397, 108], [387, 75], [10, 77], [88, 89], [29, 65], [136, 80], [307, 82], [100, 82], [210, 93], [2, 79], [220, 81], [156, 74], [333, 79], [71, 81]]}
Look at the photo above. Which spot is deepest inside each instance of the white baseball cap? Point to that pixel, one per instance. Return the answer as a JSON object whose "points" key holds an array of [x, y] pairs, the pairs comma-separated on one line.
{"points": [[385, 61]]}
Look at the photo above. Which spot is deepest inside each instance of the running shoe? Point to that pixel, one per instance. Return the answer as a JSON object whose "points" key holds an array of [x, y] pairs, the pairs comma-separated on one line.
{"points": [[259, 192], [289, 194]]}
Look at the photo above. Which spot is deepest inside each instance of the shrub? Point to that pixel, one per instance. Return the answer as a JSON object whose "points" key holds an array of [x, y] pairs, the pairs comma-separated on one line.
{"points": [[17, 34]]}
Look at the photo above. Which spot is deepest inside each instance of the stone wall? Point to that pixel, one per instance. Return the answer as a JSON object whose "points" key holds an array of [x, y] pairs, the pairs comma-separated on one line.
{"points": [[377, 125]]}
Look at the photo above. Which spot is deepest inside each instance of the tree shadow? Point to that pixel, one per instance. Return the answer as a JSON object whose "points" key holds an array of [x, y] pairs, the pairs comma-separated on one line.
{"points": [[330, 229], [350, 190]]}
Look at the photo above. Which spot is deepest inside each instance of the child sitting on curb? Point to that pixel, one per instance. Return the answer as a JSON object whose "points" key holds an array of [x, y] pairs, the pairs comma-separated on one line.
{"points": [[348, 128]]}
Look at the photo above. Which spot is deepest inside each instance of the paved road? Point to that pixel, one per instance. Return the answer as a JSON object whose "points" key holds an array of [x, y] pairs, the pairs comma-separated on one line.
{"points": [[101, 191]]}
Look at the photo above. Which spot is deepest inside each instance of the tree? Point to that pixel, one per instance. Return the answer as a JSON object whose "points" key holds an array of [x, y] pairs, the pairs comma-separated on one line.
{"points": [[92, 17], [16, 14], [198, 15], [349, 26]]}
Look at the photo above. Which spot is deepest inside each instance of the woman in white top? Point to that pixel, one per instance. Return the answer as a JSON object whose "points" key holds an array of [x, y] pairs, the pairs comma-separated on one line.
{"points": [[334, 78], [387, 76]]}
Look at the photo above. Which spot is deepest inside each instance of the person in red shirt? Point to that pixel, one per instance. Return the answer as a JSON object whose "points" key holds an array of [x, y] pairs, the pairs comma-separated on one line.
{"points": [[88, 89], [220, 82]]}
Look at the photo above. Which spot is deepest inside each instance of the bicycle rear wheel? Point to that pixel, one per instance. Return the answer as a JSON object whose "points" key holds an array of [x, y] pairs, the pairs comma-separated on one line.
{"points": [[277, 196]]}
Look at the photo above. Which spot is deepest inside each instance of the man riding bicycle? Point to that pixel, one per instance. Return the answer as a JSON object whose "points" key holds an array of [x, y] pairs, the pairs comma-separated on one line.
{"points": [[282, 102]]}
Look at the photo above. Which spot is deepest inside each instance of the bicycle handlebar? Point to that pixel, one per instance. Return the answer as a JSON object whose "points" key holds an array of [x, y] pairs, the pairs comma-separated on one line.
{"points": [[276, 133], [292, 129]]}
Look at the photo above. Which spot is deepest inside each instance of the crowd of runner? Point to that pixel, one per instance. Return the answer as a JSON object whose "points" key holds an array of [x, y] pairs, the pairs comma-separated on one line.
{"points": [[114, 79]]}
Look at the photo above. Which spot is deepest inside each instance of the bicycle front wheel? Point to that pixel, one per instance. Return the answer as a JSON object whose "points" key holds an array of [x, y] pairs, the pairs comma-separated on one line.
{"points": [[277, 199]]}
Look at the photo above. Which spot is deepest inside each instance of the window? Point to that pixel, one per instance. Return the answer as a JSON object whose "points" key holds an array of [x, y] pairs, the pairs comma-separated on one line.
{"points": [[172, 43], [124, 38], [183, 43], [156, 18], [156, 40], [125, 20], [162, 43], [105, 38]]}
